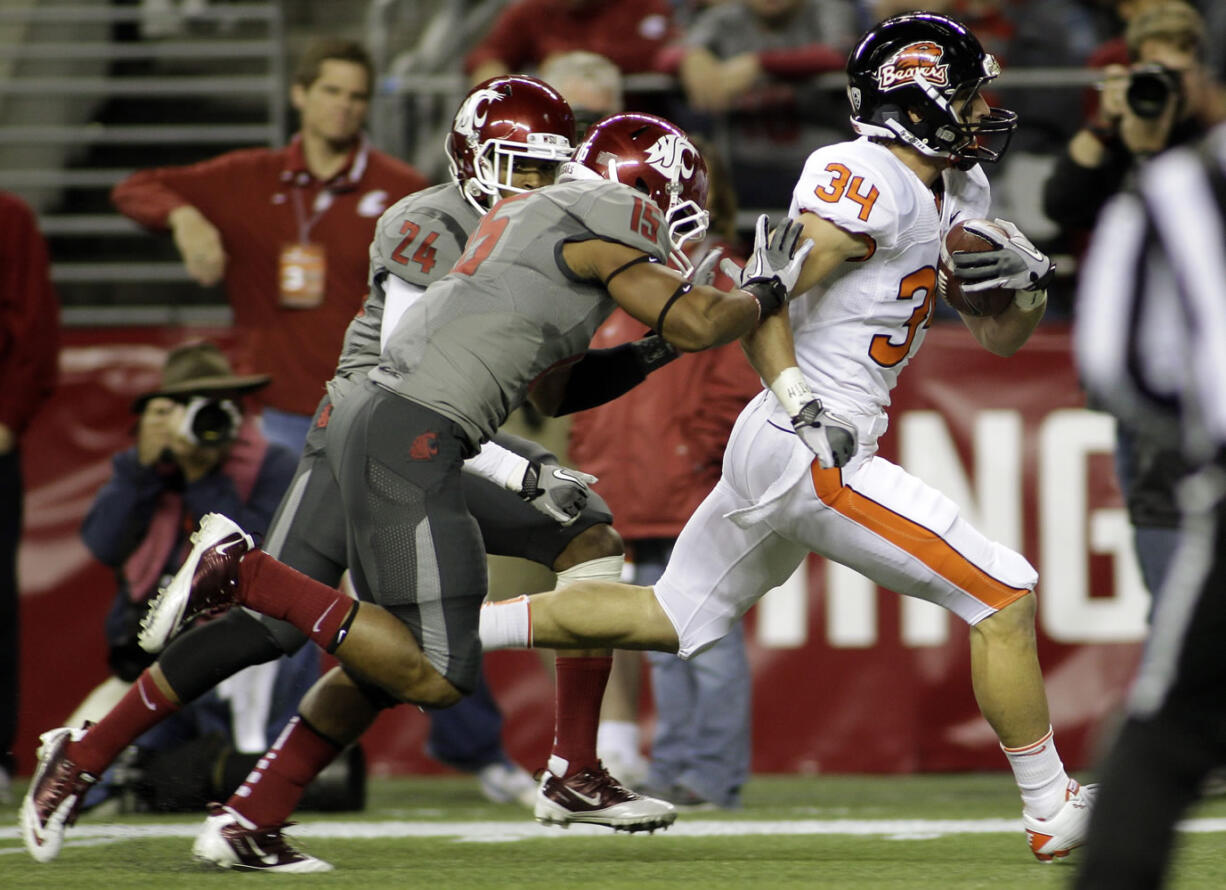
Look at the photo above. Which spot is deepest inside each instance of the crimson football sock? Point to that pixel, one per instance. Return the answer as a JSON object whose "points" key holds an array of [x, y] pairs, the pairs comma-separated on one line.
{"points": [[274, 589], [580, 689], [142, 707], [272, 790]]}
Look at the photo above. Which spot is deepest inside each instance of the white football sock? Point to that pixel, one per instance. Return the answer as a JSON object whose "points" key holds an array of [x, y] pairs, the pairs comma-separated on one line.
{"points": [[1040, 776], [618, 738], [506, 624]]}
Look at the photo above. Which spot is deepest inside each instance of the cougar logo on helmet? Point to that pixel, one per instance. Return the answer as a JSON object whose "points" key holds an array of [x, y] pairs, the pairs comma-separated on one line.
{"points": [[673, 155], [471, 115], [922, 59]]}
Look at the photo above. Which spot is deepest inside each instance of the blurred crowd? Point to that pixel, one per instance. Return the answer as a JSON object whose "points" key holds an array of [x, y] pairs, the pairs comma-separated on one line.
{"points": [[748, 77]]}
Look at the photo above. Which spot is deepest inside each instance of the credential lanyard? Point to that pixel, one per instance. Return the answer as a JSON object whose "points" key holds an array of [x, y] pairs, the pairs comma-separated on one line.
{"points": [[305, 223]]}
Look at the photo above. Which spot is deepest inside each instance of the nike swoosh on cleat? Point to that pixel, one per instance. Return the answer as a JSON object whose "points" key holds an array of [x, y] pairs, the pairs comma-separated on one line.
{"points": [[222, 548], [590, 801]]}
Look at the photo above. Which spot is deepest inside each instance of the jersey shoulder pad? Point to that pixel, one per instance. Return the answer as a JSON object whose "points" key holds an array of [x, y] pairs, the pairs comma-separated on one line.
{"points": [[859, 186], [612, 211], [421, 236]]}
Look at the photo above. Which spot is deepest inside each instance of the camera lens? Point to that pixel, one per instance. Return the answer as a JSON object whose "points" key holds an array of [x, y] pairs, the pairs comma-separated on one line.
{"points": [[211, 421], [1150, 90]]}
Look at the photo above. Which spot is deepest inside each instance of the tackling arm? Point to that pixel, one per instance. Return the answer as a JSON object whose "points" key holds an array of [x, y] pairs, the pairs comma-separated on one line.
{"points": [[699, 316]]}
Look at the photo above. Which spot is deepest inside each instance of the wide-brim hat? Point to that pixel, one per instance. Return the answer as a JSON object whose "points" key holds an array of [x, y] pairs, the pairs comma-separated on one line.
{"points": [[200, 369]]}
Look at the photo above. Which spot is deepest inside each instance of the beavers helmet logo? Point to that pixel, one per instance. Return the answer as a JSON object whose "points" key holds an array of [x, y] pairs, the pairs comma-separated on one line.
{"points": [[921, 59]]}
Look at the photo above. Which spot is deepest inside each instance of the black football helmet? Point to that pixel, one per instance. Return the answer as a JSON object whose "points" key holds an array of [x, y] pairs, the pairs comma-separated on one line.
{"points": [[931, 65], [656, 157], [502, 119]]}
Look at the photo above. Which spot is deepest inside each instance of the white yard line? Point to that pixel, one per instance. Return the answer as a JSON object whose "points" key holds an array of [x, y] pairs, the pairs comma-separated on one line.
{"points": [[501, 832]]}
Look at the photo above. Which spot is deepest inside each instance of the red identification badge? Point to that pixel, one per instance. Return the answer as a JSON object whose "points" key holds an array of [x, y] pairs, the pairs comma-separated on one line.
{"points": [[303, 267]]}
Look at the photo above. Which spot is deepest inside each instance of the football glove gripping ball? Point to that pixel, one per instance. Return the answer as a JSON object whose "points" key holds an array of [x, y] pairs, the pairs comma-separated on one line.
{"points": [[1015, 264], [830, 438], [559, 492], [774, 266]]}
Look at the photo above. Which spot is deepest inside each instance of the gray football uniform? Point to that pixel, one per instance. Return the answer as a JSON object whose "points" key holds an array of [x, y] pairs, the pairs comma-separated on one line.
{"points": [[417, 240], [460, 360], [471, 347]]}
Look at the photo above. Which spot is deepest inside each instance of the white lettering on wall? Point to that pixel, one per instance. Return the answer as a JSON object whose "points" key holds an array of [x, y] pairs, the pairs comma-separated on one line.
{"points": [[1069, 532]]}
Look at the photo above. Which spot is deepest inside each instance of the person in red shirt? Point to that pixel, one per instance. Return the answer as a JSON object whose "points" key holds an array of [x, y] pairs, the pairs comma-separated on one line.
{"points": [[287, 230], [29, 364], [629, 32]]}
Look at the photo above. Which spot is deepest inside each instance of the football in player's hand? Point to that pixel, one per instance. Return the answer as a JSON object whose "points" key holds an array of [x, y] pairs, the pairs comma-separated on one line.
{"points": [[989, 302]]}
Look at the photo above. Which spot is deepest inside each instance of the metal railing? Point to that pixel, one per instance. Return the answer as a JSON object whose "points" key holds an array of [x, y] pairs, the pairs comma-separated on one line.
{"points": [[64, 62]]}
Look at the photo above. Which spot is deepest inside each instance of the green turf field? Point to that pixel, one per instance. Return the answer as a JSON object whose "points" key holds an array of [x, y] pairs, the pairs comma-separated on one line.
{"points": [[946, 831]]}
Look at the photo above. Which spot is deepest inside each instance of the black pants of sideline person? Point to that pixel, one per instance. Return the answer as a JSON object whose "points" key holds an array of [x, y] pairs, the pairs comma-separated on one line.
{"points": [[1176, 729]]}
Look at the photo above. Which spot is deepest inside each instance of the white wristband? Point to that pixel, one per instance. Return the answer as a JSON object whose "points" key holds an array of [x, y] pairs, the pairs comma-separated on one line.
{"points": [[792, 390], [1029, 300], [498, 465]]}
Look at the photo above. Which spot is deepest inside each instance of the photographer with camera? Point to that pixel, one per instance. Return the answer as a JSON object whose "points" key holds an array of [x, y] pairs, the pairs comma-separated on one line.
{"points": [[1165, 97], [196, 452]]}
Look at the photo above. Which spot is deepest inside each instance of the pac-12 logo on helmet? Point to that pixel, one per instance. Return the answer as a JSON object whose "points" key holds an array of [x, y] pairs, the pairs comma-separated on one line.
{"points": [[922, 58], [672, 155]]}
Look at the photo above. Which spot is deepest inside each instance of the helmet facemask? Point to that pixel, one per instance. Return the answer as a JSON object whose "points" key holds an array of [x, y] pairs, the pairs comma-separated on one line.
{"points": [[687, 222], [502, 122], [656, 158], [495, 163]]}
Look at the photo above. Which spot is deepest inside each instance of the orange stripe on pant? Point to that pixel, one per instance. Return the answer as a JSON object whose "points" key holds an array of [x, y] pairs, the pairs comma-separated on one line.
{"points": [[922, 543]]}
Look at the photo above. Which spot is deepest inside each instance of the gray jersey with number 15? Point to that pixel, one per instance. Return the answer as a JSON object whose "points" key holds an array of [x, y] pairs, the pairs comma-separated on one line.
{"points": [[510, 309]]}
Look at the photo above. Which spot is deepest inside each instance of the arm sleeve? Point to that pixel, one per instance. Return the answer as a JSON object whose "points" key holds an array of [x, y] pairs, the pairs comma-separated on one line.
{"points": [[1073, 195], [604, 374], [120, 515], [499, 465], [29, 317], [149, 196]]}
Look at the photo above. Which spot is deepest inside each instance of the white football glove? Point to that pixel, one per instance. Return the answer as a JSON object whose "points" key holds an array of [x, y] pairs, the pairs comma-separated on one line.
{"points": [[1015, 264], [774, 266], [830, 438], [556, 491], [704, 272]]}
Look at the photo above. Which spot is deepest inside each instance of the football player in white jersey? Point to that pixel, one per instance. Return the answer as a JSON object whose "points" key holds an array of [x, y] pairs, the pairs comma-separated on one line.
{"points": [[876, 209]]}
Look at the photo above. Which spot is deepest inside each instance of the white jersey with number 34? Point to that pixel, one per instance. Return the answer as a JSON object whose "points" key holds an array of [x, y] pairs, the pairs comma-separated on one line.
{"points": [[856, 330]]}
